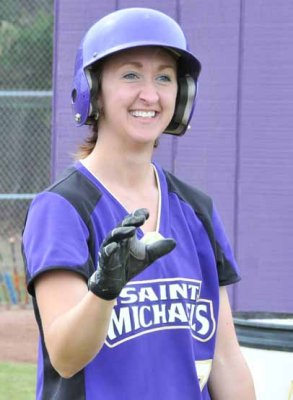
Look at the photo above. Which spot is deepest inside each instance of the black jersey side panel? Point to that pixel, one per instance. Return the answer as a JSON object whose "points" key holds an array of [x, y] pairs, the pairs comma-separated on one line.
{"points": [[83, 195], [202, 205]]}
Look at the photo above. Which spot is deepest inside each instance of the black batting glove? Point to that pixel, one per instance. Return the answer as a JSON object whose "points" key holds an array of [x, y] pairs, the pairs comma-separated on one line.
{"points": [[122, 256]]}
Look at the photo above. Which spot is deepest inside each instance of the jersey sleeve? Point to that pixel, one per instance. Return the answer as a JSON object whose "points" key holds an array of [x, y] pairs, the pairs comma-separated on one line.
{"points": [[228, 270], [54, 237]]}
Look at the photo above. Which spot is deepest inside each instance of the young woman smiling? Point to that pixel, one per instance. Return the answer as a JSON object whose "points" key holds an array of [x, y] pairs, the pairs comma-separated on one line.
{"points": [[127, 264]]}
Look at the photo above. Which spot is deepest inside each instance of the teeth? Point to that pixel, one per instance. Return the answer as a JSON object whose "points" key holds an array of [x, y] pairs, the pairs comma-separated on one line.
{"points": [[143, 114]]}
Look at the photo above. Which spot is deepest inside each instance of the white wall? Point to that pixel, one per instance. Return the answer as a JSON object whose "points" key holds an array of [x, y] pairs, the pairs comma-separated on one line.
{"points": [[272, 372]]}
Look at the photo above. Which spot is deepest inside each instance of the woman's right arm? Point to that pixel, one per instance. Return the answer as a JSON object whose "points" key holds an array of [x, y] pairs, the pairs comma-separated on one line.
{"points": [[76, 317], [75, 322]]}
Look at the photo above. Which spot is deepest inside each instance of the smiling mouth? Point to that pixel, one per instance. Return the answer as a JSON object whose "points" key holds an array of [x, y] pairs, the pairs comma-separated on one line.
{"points": [[143, 114]]}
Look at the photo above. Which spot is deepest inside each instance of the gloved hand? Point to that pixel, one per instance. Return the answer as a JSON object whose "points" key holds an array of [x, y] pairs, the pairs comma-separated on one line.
{"points": [[122, 256]]}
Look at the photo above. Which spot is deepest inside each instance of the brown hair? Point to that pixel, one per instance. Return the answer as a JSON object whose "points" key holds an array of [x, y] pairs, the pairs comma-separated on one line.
{"points": [[88, 145]]}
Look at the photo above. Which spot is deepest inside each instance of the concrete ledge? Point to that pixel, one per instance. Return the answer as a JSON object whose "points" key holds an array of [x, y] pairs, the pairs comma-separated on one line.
{"points": [[272, 331]]}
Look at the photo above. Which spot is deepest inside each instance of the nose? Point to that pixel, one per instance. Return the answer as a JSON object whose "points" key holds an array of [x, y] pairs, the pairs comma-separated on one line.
{"points": [[149, 93]]}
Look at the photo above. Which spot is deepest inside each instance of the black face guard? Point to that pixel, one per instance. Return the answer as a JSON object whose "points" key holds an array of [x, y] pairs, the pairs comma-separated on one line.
{"points": [[184, 106]]}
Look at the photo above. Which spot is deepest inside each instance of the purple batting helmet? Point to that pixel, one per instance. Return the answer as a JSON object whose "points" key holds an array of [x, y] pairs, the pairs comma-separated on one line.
{"points": [[125, 29]]}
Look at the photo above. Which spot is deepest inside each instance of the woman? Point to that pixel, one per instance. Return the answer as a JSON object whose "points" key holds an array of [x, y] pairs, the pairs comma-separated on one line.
{"points": [[127, 265]]}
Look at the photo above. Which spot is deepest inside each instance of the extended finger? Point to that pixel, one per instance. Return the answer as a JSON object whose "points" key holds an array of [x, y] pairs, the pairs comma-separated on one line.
{"points": [[119, 234], [159, 248], [137, 218], [108, 250]]}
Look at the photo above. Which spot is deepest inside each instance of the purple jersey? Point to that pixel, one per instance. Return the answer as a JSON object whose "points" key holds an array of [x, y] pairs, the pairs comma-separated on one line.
{"points": [[161, 338]]}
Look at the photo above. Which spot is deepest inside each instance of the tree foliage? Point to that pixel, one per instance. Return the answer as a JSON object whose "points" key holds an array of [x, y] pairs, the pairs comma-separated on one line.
{"points": [[26, 43]]}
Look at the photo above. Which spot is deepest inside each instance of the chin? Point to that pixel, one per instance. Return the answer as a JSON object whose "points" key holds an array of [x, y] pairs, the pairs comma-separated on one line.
{"points": [[145, 137]]}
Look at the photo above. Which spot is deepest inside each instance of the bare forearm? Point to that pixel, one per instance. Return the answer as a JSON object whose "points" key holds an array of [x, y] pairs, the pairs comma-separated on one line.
{"points": [[231, 380], [75, 337], [230, 377]]}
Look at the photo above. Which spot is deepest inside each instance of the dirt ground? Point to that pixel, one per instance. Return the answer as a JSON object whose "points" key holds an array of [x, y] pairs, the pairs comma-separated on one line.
{"points": [[18, 335]]}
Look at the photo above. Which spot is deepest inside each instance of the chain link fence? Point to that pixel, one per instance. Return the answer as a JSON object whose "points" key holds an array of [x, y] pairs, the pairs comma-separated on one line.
{"points": [[26, 41]]}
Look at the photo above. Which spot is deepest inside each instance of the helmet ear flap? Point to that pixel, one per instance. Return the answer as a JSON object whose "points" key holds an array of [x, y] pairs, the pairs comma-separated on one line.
{"points": [[187, 88], [80, 97], [93, 78]]}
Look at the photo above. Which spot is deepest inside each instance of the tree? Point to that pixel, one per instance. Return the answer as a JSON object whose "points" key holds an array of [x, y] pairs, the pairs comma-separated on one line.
{"points": [[26, 43]]}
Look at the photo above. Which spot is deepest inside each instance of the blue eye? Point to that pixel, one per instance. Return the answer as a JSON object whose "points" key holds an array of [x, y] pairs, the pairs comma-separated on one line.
{"points": [[164, 78], [130, 76]]}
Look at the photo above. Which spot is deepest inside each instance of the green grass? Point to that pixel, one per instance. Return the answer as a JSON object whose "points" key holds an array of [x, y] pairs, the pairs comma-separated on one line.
{"points": [[17, 381]]}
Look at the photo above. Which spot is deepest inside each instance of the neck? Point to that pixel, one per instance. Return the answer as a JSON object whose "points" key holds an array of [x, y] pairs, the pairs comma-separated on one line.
{"points": [[131, 168]]}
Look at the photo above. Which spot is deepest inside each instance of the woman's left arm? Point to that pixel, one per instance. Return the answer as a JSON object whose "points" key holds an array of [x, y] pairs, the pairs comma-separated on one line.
{"points": [[230, 377]]}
